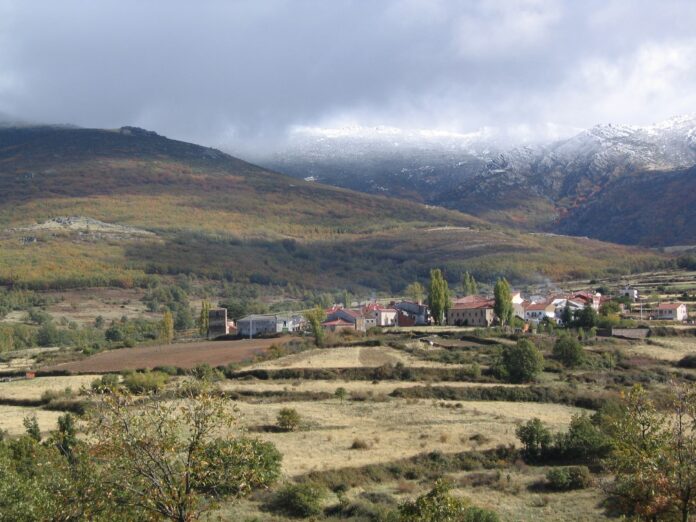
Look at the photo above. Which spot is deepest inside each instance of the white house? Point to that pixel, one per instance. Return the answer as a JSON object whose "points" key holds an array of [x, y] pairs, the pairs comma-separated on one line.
{"points": [[537, 312], [377, 315], [671, 312]]}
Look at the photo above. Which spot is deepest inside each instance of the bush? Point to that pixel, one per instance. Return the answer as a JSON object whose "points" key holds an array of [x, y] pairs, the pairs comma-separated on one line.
{"points": [[106, 383], [688, 361], [521, 363], [439, 506], [288, 419], [145, 382], [238, 466], [584, 441], [299, 500], [360, 444], [567, 479], [569, 351]]}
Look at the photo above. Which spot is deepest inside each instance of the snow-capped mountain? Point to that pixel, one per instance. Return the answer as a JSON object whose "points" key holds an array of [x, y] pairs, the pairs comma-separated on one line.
{"points": [[545, 186]]}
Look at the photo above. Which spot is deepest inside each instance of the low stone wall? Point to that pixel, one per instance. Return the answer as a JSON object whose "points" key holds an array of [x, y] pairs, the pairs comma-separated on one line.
{"points": [[630, 333]]}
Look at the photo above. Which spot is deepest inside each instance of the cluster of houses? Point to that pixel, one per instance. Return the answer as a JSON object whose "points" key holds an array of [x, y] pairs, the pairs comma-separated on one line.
{"points": [[466, 311]]}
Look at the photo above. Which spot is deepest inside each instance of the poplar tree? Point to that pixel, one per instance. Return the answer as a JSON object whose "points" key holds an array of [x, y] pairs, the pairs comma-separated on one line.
{"points": [[503, 301], [204, 319], [438, 296], [469, 285], [167, 327]]}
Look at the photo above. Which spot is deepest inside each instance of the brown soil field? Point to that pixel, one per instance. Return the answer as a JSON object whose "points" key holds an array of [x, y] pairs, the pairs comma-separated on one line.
{"points": [[185, 355]]}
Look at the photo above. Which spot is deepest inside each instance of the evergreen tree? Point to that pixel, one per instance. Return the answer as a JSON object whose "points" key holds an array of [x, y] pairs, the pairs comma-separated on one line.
{"points": [[438, 296], [503, 301]]}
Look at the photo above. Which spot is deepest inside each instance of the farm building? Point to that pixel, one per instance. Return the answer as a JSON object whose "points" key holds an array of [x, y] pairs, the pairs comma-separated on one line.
{"points": [[411, 314], [337, 325], [258, 324], [471, 311], [355, 317]]}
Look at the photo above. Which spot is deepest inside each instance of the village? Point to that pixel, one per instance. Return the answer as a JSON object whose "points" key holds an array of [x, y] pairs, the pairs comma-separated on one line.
{"points": [[556, 308]]}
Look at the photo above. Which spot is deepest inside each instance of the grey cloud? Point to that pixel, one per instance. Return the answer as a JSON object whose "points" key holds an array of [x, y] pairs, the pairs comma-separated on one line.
{"points": [[241, 73]]}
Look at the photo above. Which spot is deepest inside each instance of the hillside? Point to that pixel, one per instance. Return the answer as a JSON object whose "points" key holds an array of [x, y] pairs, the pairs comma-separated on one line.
{"points": [[86, 207], [569, 186]]}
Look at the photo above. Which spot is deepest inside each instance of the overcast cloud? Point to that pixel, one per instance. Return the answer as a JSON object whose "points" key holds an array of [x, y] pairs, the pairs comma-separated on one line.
{"points": [[241, 73]]}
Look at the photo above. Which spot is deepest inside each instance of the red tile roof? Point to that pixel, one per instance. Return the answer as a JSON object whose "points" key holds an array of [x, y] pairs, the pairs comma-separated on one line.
{"points": [[336, 322], [538, 306], [471, 304], [668, 306]]}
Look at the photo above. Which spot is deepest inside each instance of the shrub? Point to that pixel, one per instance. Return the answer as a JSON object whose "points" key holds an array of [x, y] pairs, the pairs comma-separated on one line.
{"points": [[299, 500], [107, 382], [288, 419], [688, 361], [205, 372], [360, 444], [238, 466], [145, 382], [566, 479], [521, 363], [569, 351], [439, 506]]}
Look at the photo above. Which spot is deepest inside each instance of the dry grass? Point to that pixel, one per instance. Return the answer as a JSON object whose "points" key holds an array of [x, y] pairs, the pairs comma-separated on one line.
{"points": [[394, 429], [34, 388], [11, 418], [347, 357], [667, 348]]}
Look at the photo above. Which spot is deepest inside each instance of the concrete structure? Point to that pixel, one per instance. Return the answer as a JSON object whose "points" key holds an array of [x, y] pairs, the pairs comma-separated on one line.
{"points": [[630, 292], [218, 324], [670, 312], [471, 311], [258, 324], [411, 314]]}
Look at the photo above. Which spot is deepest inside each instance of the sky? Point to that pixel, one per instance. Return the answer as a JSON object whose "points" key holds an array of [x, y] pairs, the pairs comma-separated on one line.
{"points": [[242, 74]]}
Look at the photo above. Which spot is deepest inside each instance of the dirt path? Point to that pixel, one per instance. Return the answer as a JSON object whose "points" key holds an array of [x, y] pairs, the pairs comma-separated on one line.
{"points": [[185, 355]]}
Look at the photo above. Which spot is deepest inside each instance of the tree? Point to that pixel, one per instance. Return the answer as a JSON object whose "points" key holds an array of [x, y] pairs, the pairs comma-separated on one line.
{"points": [[503, 301], [653, 454], [315, 317], [438, 296], [521, 362], [567, 315], [469, 285], [162, 456], [415, 292], [569, 351], [610, 308], [587, 318], [204, 319], [535, 439], [288, 419], [167, 327]]}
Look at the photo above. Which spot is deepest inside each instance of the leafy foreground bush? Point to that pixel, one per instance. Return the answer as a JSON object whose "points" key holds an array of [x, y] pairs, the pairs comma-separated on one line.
{"points": [[242, 465], [299, 500], [567, 479], [439, 506]]}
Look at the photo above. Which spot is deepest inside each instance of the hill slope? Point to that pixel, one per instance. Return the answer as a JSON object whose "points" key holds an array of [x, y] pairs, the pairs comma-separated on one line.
{"points": [[81, 207], [568, 186]]}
